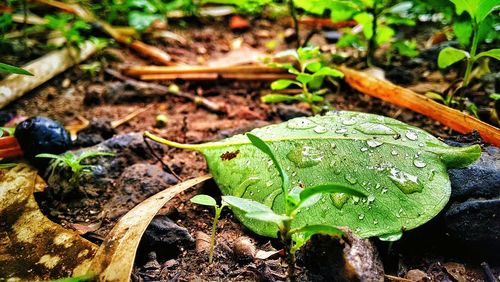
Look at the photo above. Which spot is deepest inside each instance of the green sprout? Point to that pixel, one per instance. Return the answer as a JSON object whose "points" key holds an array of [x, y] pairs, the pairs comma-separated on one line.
{"points": [[478, 11], [209, 201], [73, 162], [295, 199], [309, 78]]}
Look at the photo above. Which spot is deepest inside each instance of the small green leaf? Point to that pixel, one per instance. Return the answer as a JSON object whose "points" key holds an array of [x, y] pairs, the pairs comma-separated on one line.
{"points": [[449, 55], [366, 20], [48, 156], [13, 69], [282, 84], [304, 78], [493, 53], [313, 66], [310, 230], [141, 20], [287, 53], [246, 205], [268, 216], [435, 96], [204, 200], [327, 71], [7, 165], [278, 98], [495, 96], [384, 34]]}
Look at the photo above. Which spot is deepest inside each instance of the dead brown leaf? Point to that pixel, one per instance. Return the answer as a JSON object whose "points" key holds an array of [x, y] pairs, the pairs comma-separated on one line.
{"points": [[32, 247]]}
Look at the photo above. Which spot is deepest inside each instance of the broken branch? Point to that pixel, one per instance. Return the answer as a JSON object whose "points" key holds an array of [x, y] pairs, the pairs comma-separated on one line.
{"points": [[456, 120], [43, 69]]}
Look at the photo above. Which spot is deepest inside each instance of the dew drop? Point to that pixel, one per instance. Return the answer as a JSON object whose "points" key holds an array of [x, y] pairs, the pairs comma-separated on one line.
{"points": [[269, 183], [320, 129], [375, 129], [384, 190], [419, 163], [361, 216], [305, 156], [394, 152], [333, 145], [339, 199], [374, 143], [300, 123], [370, 199], [349, 121], [351, 179], [341, 130], [375, 222], [406, 182], [411, 135], [364, 149]]}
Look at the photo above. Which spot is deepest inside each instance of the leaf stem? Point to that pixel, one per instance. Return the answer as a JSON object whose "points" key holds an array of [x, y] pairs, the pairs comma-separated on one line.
{"points": [[194, 147], [214, 230], [472, 53]]}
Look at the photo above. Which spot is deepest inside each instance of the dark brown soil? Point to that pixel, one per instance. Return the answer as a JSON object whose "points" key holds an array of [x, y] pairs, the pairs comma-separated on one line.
{"points": [[75, 94]]}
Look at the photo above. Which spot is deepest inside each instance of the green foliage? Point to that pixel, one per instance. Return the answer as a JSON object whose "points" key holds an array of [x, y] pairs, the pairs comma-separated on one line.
{"points": [[75, 163], [478, 11], [12, 69], [377, 19], [402, 169], [309, 78], [69, 26], [209, 201], [246, 6]]}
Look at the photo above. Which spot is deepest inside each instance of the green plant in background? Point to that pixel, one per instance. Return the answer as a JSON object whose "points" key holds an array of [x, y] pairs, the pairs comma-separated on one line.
{"points": [[69, 26], [209, 201], [376, 18], [478, 11], [294, 200], [245, 6], [12, 69], [92, 69], [75, 163], [309, 77]]}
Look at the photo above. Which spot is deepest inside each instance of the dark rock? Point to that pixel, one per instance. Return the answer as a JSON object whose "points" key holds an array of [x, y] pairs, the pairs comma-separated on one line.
{"points": [[98, 131], [332, 36], [430, 55], [475, 221], [166, 238], [352, 259], [6, 116], [286, 112], [137, 183], [400, 75], [481, 179]]}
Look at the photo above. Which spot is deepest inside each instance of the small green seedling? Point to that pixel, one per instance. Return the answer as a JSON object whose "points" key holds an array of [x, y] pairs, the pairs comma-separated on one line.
{"points": [[295, 199], [209, 201], [73, 162], [478, 10], [309, 78]]}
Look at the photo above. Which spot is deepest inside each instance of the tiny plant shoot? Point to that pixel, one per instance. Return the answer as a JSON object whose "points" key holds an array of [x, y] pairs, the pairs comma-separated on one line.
{"points": [[309, 78], [478, 10], [295, 199], [209, 201], [73, 162]]}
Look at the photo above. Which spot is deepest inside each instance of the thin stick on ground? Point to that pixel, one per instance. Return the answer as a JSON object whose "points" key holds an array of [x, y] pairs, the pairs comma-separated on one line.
{"points": [[209, 105]]}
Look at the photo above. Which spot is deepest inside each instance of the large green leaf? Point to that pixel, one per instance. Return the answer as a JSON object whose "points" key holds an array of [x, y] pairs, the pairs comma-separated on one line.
{"points": [[401, 169], [477, 9]]}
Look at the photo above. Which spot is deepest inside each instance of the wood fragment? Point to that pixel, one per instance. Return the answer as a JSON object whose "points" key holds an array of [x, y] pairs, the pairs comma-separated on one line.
{"points": [[133, 114], [209, 105], [142, 70], [43, 69], [456, 120], [215, 76]]}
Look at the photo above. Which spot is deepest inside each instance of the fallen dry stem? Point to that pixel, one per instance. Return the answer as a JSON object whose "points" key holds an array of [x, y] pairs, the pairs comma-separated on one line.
{"points": [[209, 105], [142, 70], [456, 120], [215, 76]]}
